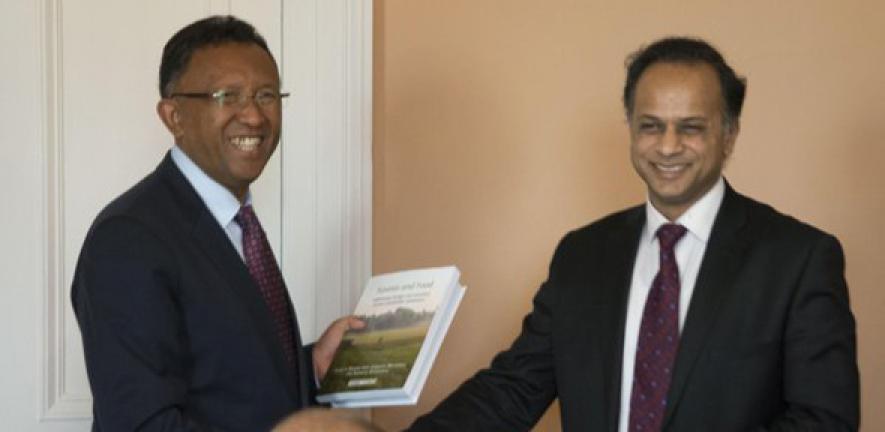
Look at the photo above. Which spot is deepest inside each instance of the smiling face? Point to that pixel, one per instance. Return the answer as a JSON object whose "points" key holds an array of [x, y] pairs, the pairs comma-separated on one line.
{"points": [[230, 144], [679, 141]]}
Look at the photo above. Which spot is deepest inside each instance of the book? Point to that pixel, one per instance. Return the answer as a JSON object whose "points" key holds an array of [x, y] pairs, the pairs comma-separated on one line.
{"points": [[407, 315]]}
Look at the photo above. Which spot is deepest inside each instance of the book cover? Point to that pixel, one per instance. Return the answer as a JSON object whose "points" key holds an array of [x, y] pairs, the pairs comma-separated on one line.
{"points": [[387, 362]]}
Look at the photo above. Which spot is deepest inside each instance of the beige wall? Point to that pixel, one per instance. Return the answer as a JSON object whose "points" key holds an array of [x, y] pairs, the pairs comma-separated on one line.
{"points": [[498, 127]]}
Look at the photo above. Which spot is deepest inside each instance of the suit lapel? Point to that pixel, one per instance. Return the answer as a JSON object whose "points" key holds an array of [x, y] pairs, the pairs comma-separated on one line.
{"points": [[216, 246], [621, 249], [715, 283]]}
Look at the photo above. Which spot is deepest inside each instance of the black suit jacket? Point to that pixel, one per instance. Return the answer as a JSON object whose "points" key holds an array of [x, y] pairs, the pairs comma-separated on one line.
{"points": [[768, 342], [175, 333]]}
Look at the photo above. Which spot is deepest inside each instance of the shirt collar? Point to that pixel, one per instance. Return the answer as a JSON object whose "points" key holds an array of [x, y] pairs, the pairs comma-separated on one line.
{"points": [[221, 202], [698, 219]]}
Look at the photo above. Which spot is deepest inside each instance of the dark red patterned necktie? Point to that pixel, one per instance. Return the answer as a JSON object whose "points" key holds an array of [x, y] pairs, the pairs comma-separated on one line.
{"points": [[264, 270], [658, 339]]}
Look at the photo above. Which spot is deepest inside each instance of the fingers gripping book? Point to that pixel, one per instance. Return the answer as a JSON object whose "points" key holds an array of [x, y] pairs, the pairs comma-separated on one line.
{"points": [[386, 363]]}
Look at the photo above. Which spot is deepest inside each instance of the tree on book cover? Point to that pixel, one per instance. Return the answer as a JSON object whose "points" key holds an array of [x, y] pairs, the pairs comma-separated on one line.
{"points": [[380, 355]]}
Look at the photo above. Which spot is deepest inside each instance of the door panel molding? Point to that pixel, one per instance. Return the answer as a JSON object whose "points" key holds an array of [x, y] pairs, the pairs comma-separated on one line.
{"points": [[327, 157], [57, 400]]}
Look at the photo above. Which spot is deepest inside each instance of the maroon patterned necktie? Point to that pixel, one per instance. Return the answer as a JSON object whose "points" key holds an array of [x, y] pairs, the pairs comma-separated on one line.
{"points": [[658, 339], [264, 270]]}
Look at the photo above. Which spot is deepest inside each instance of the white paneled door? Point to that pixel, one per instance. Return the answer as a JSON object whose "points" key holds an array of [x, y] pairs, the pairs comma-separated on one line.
{"points": [[77, 109]]}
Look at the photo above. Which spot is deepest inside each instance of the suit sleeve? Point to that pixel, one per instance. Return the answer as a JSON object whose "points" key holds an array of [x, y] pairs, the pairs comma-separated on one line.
{"points": [[133, 336], [821, 386], [310, 380], [515, 391]]}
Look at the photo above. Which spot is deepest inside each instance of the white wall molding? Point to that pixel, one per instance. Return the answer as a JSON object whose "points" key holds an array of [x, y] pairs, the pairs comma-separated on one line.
{"points": [[327, 148], [56, 400], [358, 108]]}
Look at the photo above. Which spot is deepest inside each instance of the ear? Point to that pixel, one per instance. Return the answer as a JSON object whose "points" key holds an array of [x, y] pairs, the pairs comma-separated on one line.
{"points": [[731, 134], [170, 114]]}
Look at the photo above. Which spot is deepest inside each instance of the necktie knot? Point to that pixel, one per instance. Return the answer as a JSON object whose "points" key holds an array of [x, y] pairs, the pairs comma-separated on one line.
{"points": [[669, 234], [246, 218]]}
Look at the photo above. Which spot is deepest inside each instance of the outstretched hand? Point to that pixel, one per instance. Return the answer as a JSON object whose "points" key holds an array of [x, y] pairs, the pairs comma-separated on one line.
{"points": [[325, 347]]}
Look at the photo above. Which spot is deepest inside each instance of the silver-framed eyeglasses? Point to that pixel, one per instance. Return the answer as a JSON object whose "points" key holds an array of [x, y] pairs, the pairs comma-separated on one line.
{"points": [[227, 98]]}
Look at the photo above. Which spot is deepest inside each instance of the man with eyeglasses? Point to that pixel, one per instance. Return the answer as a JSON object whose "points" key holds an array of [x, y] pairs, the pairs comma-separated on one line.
{"points": [[185, 319]]}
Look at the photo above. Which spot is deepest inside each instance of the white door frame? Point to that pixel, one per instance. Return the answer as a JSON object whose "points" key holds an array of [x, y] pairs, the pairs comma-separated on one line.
{"points": [[327, 157]]}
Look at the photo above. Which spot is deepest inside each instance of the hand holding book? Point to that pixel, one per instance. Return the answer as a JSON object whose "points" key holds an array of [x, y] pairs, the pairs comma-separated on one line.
{"points": [[406, 316], [325, 347]]}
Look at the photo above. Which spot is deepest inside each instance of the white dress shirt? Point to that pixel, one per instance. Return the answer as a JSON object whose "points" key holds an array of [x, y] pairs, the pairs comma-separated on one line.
{"points": [[221, 202], [698, 220]]}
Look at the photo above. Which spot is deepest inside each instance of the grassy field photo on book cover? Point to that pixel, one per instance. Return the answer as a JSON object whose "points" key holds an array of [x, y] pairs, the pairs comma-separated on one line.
{"points": [[381, 355]]}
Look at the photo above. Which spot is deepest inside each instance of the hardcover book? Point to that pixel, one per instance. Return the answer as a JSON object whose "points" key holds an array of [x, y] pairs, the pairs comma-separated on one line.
{"points": [[386, 363]]}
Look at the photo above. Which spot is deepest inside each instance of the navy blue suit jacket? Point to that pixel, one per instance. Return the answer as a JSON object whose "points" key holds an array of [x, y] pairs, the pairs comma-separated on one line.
{"points": [[175, 333], [768, 342]]}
